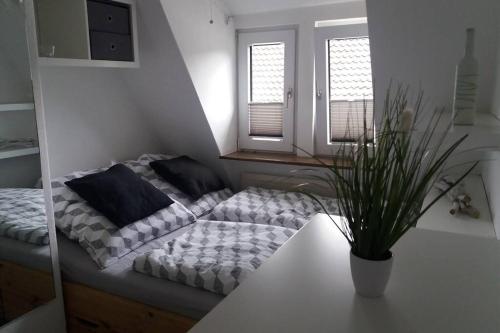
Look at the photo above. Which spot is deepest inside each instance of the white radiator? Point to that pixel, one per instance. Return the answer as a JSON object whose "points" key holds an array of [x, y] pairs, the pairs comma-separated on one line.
{"points": [[285, 182]]}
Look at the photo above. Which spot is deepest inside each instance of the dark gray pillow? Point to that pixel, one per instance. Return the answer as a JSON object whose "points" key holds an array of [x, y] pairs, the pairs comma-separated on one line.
{"points": [[188, 175], [120, 195]]}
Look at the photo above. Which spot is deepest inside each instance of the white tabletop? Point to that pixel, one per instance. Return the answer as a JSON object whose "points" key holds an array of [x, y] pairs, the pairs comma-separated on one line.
{"points": [[441, 282]]}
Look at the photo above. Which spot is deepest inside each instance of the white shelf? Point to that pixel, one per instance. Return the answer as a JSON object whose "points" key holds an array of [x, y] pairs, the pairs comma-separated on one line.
{"points": [[438, 217], [11, 153], [486, 123], [17, 107], [71, 46], [63, 62]]}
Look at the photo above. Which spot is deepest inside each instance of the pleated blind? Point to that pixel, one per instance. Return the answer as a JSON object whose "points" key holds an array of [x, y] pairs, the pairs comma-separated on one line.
{"points": [[350, 80], [346, 120], [267, 82], [266, 119]]}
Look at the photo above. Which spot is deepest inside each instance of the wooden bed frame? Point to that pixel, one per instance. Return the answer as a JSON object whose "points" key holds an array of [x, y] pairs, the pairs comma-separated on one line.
{"points": [[23, 289], [88, 310]]}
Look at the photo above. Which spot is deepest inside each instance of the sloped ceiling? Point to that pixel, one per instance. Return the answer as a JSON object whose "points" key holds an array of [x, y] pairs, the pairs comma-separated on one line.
{"points": [[242, 7], [165, 93], [209, 53]]}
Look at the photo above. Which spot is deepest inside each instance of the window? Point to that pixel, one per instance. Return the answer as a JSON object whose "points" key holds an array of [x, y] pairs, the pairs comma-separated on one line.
{"points": [[266, 90], [344, 86]]}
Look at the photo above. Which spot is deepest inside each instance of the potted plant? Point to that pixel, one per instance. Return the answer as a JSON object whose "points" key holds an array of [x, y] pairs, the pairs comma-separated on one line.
{"points": [[381, 193]]}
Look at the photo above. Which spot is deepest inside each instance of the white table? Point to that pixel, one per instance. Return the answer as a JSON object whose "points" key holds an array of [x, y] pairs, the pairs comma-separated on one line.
{"points": [[441, 282]]}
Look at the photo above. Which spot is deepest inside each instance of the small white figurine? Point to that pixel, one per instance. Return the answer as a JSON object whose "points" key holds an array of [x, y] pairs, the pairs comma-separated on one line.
{"points": [[460, 199]]}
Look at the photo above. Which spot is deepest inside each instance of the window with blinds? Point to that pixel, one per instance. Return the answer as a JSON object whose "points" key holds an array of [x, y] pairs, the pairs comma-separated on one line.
{"points": [[267, 84], [266, 78], [350, 89]]}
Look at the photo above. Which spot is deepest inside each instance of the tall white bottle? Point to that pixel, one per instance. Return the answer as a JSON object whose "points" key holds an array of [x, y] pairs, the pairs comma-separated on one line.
{"points": [[466, 85]]}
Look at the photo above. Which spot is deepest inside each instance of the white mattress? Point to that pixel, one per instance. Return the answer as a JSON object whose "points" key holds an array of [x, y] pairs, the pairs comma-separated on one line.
{"points": [[121, 280]]}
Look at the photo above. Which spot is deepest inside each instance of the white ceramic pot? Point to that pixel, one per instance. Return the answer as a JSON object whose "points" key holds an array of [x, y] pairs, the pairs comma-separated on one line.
{"points": [[370, 277]]}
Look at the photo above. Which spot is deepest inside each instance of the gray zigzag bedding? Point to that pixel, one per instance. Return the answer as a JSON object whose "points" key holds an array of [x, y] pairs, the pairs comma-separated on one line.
{"points": [[215, 256], [104, 242], [273, 207], [22, 215]]}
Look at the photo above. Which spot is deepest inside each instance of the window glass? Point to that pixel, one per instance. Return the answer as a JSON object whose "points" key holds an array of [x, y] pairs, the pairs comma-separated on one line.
{"points": [[267, 84], [350, 88]]}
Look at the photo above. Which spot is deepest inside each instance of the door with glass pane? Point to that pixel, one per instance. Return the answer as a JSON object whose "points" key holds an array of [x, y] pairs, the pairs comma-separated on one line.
{"points": [[266, 90], [344, 87]]}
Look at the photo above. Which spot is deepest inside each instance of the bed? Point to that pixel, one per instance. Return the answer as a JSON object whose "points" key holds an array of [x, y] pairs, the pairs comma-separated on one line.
{"points": [[118, 299], [120, 279], [114, 298], [105, 269]]}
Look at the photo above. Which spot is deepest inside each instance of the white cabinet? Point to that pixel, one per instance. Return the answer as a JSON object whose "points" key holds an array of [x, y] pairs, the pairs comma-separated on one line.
{"points": [[92, 33]]}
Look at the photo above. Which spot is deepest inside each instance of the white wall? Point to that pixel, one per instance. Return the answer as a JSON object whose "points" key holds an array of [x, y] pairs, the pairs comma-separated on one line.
{"points": [[420, 43], [91, 119], [181, 99], [95, 115], [491, 177], [491, 168], [304, 20], [209, 51], [164, 91]]}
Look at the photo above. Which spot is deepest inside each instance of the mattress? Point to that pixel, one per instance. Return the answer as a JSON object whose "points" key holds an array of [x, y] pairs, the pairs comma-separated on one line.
{"points": [[120, 279], [25, 254]]}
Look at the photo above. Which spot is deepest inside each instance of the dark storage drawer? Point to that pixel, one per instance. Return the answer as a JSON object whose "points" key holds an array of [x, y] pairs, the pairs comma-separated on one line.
{"points": [[108, 46], [109, 17]]}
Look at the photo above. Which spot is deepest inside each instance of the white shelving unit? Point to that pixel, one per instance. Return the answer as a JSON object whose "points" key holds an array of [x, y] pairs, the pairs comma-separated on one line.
{"points": [[18, 152], [71, 46], [62, 62], [486, 128], [439, 218], [17, 107]]}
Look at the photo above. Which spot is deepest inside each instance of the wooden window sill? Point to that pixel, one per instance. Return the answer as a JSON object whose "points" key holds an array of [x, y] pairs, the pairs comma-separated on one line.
{"points": [[288, 159]]}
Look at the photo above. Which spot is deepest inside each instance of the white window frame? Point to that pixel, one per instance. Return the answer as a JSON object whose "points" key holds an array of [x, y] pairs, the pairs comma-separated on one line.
{"points": [[245, 140], [322, 139]]}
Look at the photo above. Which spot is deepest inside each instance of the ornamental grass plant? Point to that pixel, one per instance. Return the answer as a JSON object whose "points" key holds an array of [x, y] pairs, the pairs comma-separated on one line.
{"points": [[381, 193]]}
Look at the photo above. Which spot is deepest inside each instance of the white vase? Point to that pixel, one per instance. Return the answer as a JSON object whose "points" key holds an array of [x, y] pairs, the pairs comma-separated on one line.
{"points": [[370, 277], [466, 85]]}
